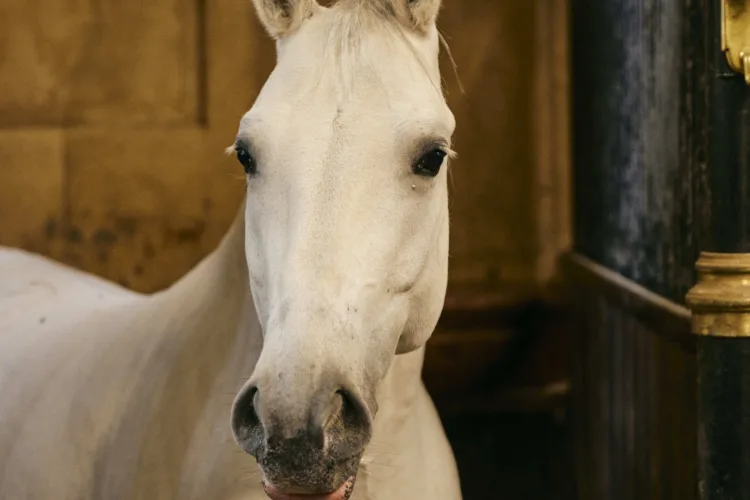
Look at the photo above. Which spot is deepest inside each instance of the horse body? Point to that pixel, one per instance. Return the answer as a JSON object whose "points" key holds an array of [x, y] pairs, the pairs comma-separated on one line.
{"points": [[111, 395], [300, 339]]}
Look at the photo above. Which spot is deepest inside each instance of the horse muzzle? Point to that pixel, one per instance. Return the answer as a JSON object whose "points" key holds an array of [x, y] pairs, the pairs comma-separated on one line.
{"points": [[308, 446]]}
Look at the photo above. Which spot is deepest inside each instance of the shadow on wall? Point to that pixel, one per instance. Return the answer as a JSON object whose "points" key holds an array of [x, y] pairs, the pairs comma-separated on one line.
{"points": [[513, 457]]}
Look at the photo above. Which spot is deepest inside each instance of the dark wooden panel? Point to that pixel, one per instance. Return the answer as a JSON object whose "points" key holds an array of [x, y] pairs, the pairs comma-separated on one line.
{"points": [[662, 161], [640, 109], [512, 457], [634, 402], [665, 318], [634, 398]]}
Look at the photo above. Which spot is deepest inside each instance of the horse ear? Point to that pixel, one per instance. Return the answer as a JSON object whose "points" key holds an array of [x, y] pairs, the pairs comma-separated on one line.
{"points": [[419, 15], [282, 17]]}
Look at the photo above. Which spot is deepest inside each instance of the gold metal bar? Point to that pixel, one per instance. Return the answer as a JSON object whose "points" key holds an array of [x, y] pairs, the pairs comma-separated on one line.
{"points": [[720, 300], [735, 35]]}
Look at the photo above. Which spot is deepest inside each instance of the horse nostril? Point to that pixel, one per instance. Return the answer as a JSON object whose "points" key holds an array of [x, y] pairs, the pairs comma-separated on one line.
{"points": [[246, 425], [354, 412]]}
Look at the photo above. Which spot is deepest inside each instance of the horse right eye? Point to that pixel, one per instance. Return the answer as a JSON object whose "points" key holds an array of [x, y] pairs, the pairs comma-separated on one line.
{"points": [[429, 164], [247, 161]]}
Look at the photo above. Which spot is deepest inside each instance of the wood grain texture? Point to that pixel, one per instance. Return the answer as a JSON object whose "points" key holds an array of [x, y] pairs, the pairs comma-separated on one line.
{"points": [[551, 190], [661, 174], [634, 404], [640, 114]]}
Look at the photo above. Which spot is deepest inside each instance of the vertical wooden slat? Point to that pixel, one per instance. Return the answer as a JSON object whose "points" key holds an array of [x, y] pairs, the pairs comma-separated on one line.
{"points": [[602, 424], [629, 459], [670, 365], [654, 417], [581, 414], [643, 448], [639, 412], [592, 408], [641, 92], [615, 357]]}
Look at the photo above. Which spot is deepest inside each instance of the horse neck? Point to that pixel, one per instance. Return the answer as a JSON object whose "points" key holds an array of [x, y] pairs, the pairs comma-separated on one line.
{"points": [[190, 347], [210, 321]]}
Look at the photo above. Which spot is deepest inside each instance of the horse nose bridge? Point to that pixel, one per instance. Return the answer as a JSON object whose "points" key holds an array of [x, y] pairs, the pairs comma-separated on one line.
{"points": [[315, 324], [322, 256]]}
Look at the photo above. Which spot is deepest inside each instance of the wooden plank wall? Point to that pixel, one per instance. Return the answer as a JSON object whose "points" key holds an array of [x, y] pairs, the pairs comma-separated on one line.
{"points": [[114, 115], [636, 428], [642, 214], [634, 393], [641, 111]]}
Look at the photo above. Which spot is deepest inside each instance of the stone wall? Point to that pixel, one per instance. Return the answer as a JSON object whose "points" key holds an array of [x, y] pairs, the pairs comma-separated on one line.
{"points": [[114, 117]]}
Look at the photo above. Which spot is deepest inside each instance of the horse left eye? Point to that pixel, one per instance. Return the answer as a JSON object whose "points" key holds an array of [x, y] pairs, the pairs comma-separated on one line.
{"points": [[429, 164], [247, 161]]}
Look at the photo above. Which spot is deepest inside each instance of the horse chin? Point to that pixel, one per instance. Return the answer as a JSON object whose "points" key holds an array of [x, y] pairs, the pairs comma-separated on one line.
{"points": [[343, 492]]}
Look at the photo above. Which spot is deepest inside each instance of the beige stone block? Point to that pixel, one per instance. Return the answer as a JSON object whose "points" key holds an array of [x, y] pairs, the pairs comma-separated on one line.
{"points": [[240, 56], [108, 63], [31, 189], [147, 206]]}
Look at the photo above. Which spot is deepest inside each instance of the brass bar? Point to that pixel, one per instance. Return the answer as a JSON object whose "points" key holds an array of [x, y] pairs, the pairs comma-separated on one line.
{"points": [[720, 302], [735, 35]]}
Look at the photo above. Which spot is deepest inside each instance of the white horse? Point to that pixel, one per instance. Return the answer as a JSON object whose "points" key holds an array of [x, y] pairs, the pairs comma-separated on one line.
{"points": [[300, 338]]}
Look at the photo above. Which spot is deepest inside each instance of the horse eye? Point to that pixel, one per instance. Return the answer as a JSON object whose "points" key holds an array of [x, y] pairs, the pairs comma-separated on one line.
{"points": [[247, 161], [429, 164]]}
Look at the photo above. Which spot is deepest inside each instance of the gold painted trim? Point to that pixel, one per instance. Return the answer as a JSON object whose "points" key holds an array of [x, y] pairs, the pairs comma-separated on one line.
{"points": [[735, 35], [720, 301]]}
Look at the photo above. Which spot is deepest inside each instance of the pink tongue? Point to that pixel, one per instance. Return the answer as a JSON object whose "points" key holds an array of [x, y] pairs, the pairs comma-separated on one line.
{"points": [[342, 493]]}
